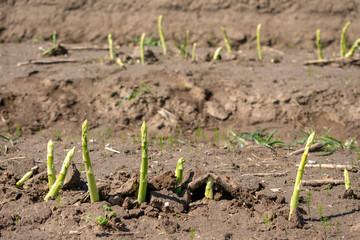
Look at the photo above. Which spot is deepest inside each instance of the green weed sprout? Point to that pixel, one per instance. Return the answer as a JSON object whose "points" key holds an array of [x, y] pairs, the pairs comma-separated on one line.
{"points": [[111, 47], [355, 46], [50, 164], [258, 41], [226, 39], [26, 177], [193, 56], [295, 197], [100, 220], [209, 193], [142, 54], [53, 46], [343, 40], [161, 34], [144, 165], [217, 53], [178, 173], [347, 180], [60, 179], [94, 194], [319, 44]]}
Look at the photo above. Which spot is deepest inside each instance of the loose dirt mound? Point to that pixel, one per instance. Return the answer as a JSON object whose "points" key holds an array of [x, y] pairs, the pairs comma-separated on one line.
{"points": [[285, 23]]}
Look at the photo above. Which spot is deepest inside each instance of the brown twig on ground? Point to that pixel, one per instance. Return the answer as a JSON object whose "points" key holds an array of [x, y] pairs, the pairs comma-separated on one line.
{"points": [[333, 166], [265, 174], [96, 48], [43, 62], [320, 182], [313, 148], [349, 60]]}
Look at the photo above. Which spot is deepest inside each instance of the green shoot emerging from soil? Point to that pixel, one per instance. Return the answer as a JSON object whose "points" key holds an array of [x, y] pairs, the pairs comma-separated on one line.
{"points": [[319, 44], [343, 40], [161, 34], [258, 138], [111, 47], [100, 220], [217, 53], [347, 180], [209, 193], [309, 203], [94, 194], [178, 173], [295, 197], [226, 40], [50, 164], [355, 46], [144, 165], [53, 45], [26, 177], [60, 179], [258, 41], [142, 53], [193, 56]]}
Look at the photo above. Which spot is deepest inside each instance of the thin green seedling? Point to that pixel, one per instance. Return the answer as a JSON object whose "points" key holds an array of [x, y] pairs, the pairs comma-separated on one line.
{"points": [[11, 140], [198, 131], [328, 190], [100, 220], [192, 233], [258, 41], [319, 44], [144, 165], [320, 211], [161, 34], [217, 53], [18, 130], [309, 203], [135, 93], [216, 136], [180, 131], [111, 47], [267, 220], [343, 40], [161, 143], [150, 41], [295, 197], [226, 40], [54, 39], [142, 53], [193, 56]]}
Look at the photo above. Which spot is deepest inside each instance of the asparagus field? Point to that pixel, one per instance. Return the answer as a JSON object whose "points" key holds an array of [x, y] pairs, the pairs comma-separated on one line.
{"points": [[185, 123]]}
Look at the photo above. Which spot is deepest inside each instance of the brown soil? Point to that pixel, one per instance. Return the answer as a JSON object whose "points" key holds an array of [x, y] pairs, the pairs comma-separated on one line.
{"points": [[238, 93]]}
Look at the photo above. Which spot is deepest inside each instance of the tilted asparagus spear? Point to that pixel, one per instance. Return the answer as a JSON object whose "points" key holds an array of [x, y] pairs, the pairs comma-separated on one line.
{"points": [[55, 188], [144, 165], [26, 177], [161, 34], [50, 164], [178, 173], [295, 197], [94, 194]]}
